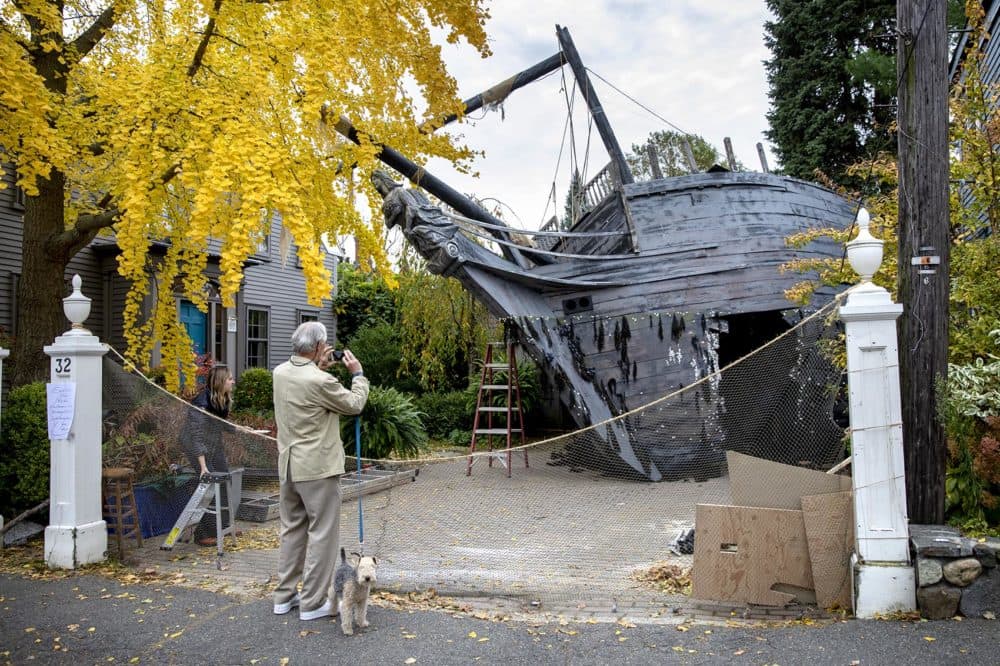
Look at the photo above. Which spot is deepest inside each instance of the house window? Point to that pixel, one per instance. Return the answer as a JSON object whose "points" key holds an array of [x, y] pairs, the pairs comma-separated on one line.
{"points": [[257, 336], [308, 315], [262, 238]]}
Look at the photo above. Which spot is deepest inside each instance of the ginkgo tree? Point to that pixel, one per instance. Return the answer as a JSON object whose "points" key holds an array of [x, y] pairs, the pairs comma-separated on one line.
{"points": [[185, 120]]}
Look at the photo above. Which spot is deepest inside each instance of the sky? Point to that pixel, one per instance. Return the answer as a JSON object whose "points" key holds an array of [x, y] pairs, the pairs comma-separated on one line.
{"points": [[696, 63]]}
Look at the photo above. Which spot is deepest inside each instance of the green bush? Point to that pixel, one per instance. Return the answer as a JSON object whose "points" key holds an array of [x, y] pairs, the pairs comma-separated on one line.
{"points": [[377, 346], [445, 412], [969, 408], [531, 393], [390, 425], [362, 299], [24, 448], [254, 392]]}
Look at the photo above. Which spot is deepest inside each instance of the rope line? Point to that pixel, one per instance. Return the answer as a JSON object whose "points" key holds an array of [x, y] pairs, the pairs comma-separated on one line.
{"points": [[825, 311]]}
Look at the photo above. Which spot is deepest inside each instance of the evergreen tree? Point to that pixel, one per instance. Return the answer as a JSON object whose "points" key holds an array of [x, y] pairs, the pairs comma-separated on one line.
{"points": [[832, 84], [574, 206]]}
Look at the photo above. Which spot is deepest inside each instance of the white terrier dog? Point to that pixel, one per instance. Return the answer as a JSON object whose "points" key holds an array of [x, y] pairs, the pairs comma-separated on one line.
{"points": [[352, 585]]}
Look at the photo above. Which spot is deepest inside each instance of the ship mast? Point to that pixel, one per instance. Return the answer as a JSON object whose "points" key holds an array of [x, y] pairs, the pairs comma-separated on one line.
{"points": [[594, 104]]}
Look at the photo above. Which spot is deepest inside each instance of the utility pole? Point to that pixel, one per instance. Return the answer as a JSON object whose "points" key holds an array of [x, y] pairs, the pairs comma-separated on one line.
{"points": [[922, 67]]}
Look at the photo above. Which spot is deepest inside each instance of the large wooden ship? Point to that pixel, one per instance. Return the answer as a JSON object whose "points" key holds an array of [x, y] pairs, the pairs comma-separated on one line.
{"points": [[655, 287]]}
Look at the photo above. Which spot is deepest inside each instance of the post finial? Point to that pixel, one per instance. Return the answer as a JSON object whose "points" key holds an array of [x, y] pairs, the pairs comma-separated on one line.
{"points": [[865, 251], [76, 306]]}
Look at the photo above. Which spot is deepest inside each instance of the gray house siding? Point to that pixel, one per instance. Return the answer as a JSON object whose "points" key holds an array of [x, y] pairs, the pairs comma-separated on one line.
{"points": [[277, 289], [10, 248], [280, 291]]}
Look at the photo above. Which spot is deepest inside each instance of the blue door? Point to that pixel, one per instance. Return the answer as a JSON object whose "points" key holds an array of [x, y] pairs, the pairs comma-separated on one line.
{"points": [[196, 323]]}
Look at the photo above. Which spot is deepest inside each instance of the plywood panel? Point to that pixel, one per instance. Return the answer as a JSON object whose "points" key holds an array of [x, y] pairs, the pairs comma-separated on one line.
{"points": [[829, 521], [763, 483], [741, 553]]}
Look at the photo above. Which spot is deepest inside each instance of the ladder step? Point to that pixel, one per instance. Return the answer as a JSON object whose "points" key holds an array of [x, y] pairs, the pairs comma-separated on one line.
{"points": [[497, 366], [495, 409], [494, 386], [494, 431]]}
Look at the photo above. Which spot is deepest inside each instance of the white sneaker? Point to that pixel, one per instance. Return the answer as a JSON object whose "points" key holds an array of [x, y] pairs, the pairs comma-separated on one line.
{"points": [[326, 610], [281, 609]]}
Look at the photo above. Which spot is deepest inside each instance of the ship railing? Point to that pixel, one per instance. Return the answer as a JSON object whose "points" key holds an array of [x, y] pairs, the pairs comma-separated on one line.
{"points": [[542, 240], [604, 183]]}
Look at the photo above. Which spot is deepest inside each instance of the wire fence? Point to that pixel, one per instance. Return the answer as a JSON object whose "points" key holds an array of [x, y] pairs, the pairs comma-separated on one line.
{"points": [[565, 522]]}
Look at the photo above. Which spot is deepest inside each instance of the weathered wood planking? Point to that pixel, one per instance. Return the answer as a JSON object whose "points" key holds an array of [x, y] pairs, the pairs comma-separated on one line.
{"points": [[707, 246]]}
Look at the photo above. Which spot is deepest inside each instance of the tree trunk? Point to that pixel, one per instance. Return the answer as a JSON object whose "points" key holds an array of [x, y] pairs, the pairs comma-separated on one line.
{"points": [[923, 231], [42, 284]]}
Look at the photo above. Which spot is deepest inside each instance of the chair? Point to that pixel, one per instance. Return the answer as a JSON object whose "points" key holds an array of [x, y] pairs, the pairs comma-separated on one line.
{"points": [[120, 509]]}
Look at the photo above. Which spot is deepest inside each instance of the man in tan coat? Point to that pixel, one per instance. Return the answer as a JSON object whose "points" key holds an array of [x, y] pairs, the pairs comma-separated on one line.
{"points": [[308, 402]]}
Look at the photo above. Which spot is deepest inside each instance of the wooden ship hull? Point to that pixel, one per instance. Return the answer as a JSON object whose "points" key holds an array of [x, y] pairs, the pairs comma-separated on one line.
{"points": [[656, 287]]}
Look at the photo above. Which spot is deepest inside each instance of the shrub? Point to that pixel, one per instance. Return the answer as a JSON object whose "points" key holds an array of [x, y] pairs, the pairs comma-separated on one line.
{"points": [[390, 425], [531, 393], [157, 375], [970, 411], [461, 438], [24, 448], [445, 412], [254, 392], [377, 346], [362, 299]]}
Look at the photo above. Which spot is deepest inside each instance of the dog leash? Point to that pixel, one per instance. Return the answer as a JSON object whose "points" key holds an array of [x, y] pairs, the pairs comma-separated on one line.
{"points": [[361, 514]]}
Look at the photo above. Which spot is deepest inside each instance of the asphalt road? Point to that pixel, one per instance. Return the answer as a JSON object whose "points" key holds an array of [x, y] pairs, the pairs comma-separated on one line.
{"points": [[95, 620]]}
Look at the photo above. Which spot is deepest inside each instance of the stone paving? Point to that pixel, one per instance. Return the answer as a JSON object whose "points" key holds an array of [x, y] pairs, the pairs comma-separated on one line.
{"points": [[547, 542]]}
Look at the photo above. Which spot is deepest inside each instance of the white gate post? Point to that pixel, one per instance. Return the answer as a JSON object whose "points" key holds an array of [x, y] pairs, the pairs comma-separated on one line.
{"points": [[884, 579], [76, 534]]}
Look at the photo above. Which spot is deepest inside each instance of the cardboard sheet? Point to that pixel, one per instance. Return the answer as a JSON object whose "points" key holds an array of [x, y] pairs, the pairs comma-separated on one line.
{"points": [[829, 522], [762, 483], [741, 553]]}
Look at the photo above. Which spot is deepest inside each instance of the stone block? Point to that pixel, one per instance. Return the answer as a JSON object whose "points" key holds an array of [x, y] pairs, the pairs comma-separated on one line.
{"points": [[962, 572], [938, 541], [982, 595], [928, 571], [938, 602]]}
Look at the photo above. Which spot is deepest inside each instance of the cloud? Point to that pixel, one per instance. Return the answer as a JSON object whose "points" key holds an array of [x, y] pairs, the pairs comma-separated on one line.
{"points": [[698, 64]]}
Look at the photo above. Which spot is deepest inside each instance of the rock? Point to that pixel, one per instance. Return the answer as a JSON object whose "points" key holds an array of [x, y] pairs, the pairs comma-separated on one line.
{"points": [[938, 541], [938, 602], [21, 532], [928, 571], [983, 596], [962, 572], [985, 554]]}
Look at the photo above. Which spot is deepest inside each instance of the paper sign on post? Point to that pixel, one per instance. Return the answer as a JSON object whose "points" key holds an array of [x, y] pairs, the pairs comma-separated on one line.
{"points": [[61, 402]]}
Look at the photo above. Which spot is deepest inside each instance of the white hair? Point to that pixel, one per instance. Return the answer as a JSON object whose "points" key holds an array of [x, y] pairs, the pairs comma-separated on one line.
{"points": [[307, 337]]}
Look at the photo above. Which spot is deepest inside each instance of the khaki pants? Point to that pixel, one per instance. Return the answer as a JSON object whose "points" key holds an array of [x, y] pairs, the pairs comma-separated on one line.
{"points": [[310, 540]]}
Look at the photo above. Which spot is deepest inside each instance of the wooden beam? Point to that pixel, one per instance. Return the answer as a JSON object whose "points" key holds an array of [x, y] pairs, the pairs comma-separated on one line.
{"points": [[763, 158], [654, 161], [922, 70], [689, 155], [500, 91], [730, 155], [594, 104]]}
